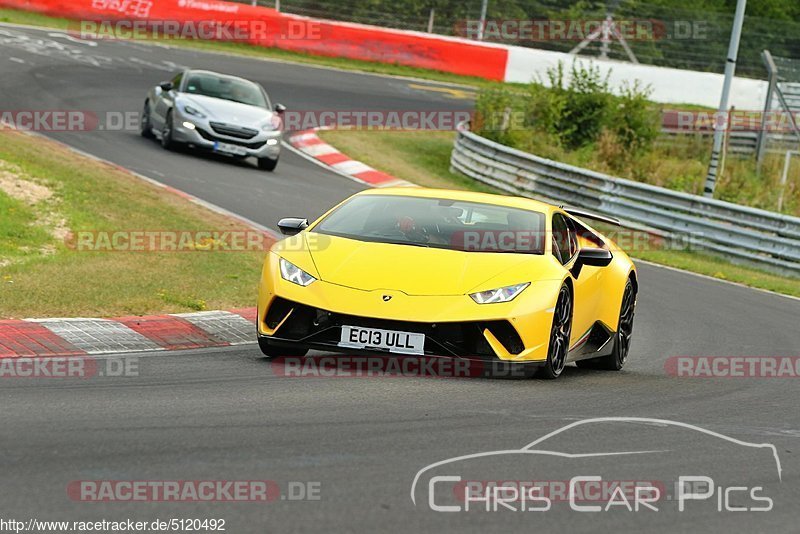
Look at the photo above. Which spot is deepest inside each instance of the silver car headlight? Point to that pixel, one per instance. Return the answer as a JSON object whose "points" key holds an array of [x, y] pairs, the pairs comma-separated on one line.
{"points": [[292, 273], [272, 124], [189, 110], [501, 294]]}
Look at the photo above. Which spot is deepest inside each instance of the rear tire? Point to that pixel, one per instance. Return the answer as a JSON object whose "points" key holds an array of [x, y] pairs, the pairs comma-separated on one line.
{"points": [[622, 339], [560, 332], [271, 351], [267, 164]]}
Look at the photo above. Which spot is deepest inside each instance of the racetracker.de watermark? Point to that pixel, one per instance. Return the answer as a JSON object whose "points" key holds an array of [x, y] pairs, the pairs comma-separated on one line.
{"points": [[52, 120], [487, 492], [169, 241], [732, 121], [394, 366], [733, 366], [237, 30], [253, 491], [577, 30], [68, 367]]}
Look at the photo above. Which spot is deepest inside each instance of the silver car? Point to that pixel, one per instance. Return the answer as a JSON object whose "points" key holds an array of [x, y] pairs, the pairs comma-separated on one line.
{"points": [[215, 112]]}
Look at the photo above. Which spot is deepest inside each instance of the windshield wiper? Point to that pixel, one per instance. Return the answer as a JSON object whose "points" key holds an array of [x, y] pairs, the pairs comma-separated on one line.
{"points": [[411, 243]]}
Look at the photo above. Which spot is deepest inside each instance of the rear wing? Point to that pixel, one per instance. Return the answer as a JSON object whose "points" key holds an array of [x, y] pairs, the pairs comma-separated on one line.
{"points": [[578, 212]]}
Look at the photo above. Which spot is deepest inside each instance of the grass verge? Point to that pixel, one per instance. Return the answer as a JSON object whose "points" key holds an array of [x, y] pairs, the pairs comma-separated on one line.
{"points": [[424, 158], [48, 193]]}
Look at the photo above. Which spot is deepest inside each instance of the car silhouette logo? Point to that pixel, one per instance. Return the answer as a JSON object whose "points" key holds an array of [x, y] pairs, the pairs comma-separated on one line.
{"points": [[387, 298]]}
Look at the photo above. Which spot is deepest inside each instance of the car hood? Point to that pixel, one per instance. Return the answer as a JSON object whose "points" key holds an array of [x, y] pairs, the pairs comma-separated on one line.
{"points": [[218, 109], [419, 270]]}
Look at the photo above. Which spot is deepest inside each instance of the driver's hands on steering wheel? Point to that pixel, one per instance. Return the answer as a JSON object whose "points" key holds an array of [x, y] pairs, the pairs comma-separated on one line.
{"points": [[408, 226]]}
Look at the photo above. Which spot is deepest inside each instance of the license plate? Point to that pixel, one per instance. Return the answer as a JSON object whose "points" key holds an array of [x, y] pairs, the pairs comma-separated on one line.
{"points": [[229, 149], [356, 337]]}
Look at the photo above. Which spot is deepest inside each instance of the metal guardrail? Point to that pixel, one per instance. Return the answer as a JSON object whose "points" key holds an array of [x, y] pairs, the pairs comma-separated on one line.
{"points": [[741, 234]]}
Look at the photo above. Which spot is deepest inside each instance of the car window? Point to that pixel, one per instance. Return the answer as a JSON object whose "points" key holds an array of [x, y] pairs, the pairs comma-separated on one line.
{"points": [[437, 223], [572, 234], [227, 88], [565, 240], [176, 81]]}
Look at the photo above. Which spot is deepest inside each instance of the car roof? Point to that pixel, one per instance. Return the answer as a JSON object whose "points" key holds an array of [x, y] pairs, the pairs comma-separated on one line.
{"points": [[466, 196]]}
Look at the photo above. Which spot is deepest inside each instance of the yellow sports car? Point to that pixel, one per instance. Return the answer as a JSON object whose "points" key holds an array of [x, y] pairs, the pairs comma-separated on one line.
{"points": [[416, 271]]}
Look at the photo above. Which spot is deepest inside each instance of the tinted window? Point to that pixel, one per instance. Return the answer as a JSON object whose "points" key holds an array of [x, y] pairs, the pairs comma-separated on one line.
{"points": [[227, 88], [437, 223], [565, 241], [176, 81]]}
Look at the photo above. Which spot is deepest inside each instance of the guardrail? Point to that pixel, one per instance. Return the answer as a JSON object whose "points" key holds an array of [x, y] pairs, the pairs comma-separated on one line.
{"points": [[741, 234]]}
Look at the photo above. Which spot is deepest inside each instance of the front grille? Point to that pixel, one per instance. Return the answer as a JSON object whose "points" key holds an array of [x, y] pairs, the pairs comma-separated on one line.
{"points": [[314, 325], [233, 131], [211, 137]]}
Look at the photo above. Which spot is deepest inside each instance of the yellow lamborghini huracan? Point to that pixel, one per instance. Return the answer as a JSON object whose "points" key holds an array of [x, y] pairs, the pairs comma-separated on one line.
{"points": [[418, 271]]}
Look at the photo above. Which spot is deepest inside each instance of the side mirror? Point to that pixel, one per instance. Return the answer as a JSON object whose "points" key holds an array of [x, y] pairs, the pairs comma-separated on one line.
{"points": [[279, 108], [292, 225], [595, 257], [165, 86]]}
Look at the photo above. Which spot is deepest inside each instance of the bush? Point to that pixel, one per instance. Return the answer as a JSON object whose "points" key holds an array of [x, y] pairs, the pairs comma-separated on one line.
{"points": [[588, 102], [633, 119], [572, 114]]}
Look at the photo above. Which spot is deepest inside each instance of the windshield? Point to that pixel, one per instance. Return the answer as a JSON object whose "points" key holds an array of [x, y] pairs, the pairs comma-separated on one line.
{"points": [[227, 88], [438, 223]]}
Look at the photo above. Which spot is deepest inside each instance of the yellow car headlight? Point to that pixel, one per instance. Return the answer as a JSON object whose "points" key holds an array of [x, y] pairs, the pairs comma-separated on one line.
{"points": [[501, 294], [292, 273]]}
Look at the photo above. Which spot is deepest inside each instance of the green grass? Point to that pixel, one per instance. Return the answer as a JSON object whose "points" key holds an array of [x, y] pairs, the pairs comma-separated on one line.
{"points": [[42, 276], [423, 158], [36, 19], [18, 235]]}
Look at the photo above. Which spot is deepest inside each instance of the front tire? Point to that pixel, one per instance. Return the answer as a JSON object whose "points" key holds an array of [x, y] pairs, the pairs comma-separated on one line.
{"points": [[271, 351], [166, 133], [560, 333], [146, 125], [622, 339], [267, 164]]}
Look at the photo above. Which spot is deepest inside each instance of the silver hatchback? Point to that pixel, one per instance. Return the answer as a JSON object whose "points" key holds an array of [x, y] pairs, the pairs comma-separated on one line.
{"points": [[215, 112]]}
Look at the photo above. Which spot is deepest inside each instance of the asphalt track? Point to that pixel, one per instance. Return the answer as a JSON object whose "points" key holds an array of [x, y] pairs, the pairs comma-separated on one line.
{"points": [[226, 414]]}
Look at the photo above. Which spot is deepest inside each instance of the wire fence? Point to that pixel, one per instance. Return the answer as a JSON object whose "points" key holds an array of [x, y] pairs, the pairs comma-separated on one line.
{"points": [[657, 34]]}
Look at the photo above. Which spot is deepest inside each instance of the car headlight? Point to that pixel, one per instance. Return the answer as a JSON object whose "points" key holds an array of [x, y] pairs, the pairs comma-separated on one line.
{"points": [[274, 123], [292, 273], [189, 110], [502, 294]]}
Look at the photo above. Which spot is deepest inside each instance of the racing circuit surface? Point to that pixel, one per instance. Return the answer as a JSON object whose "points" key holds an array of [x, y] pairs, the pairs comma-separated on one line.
{"points": [[226, 414]]}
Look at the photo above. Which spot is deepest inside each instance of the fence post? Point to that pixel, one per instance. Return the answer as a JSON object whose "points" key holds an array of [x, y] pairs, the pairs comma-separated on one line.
{"points": [[772, 71]]}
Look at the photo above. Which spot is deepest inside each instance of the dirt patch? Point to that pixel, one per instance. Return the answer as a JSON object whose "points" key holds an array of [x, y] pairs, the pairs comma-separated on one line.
{"points": [[14, 185]]}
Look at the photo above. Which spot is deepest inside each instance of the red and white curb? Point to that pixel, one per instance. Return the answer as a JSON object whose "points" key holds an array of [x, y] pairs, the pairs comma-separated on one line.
{"points": [[90, 336], [309, 143], [68, 337]]}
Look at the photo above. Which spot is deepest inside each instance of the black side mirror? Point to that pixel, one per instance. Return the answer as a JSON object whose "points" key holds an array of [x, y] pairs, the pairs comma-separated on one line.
{"points": [[279, 108], [165, 86], [596, 257], [292, 225]]}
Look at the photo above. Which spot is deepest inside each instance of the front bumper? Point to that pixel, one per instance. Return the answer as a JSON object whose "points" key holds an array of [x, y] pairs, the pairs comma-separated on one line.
{"points": [[312, 317], [265, 144], [298, 324]]}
